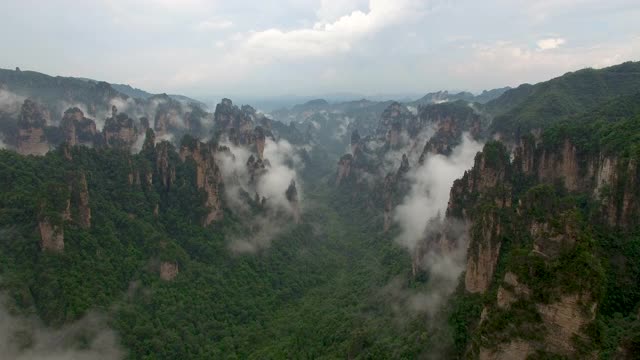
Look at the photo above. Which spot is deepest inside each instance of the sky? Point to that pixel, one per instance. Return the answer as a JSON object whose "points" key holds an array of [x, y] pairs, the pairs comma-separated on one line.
{"points": [[306, 47]]}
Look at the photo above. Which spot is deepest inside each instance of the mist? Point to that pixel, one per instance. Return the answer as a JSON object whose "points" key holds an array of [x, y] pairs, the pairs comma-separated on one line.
{"points": [[281, 167], [26, 338], [423, 230], [10, 102], [430, 187]]}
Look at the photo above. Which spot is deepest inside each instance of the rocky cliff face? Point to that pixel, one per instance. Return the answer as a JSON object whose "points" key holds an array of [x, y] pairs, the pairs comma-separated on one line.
{"points": [[260, 141], [409, 138], [77, 129], [344, 168], [392, 184], [51, 236], [169, 115], [208, 177], [31, 136], [236, 123], [168, 270], [120, 130], [603, 176], [292, 196], [541, 230], [164, 168], [449, 122], [256, 167], [80, 198], [393, 121]]}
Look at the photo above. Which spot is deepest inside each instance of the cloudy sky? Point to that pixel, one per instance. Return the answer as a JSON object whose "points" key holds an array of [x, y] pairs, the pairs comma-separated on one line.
{"points": [[306, 47]]}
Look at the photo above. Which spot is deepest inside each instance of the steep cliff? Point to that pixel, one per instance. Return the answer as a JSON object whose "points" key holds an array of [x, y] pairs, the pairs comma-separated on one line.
{"points": [[449, 121], [79, 191], [119, 130], [292, 196], [169, 116], [51, 236], [531, 255], [237, 124], [77, 129], [31, 129], [207, 174]]}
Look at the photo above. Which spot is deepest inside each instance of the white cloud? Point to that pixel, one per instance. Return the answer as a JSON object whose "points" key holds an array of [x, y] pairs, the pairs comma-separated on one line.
{"points": [[327, 38], [551, 43], [507, 63], [210, 25], [331, 10], [246, 53]]}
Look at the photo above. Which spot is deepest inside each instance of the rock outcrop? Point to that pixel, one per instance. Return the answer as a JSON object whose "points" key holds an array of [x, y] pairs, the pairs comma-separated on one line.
{"points": [[77, 129], [260, 141], [80, 196], [344, 168], [391, 186], [119, 130], [256, 167], [164, 168], [564, 320], [208, 176], [483, 252], [236, 123], [393, 121], [168, 270], [543, 226], [449, 121], [169, 115], [31, 124], [513, 350], [292, 196], [51, 236]]}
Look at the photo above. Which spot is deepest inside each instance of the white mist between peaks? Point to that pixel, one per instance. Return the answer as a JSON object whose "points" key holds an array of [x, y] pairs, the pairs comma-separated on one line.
{"points": [[272, 185], [430, 188]]}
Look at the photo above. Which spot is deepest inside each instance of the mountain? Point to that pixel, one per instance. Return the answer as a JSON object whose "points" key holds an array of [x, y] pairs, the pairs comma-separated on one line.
{"points": [[102, 115], [445, 96], [531, 107], [150, 228], [141, 94]]}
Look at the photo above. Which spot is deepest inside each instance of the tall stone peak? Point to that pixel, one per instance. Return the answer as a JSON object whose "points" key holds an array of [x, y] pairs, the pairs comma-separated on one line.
{"points": [[119, 130], [33, 115], [77, 129], [208, 175], [31, 123], [292, 196]]}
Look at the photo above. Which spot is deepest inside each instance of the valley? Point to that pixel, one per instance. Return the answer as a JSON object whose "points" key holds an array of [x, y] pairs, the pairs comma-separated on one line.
{"points": [[496, 226]]}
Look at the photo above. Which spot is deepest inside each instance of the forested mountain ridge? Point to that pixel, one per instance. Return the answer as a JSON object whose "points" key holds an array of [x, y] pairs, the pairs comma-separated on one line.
{"points": [[239, 237], [532, 107]]}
